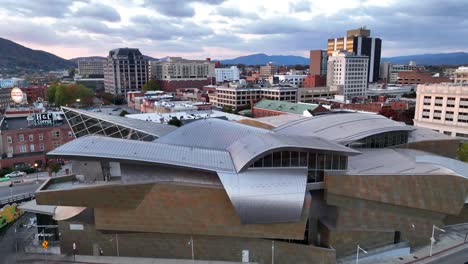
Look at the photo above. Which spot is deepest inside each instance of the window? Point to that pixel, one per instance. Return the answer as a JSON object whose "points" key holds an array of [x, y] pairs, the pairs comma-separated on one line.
{"points": [[437, 114], [32, 148], [21, 137], [55, 134], [463, 117], [41, 147], [463, 135], [463, 102], [449, 116], [427, 100], [438, 101], [31, 137], [10, 150], [41, 136], [70, 134], [451, 102], [426, 113], [23, 148], [9, 139], [448, 133]]}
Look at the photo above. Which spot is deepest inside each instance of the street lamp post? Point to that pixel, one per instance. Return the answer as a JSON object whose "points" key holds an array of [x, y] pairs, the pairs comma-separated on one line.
{"points": [[193, 253], [273, 252], [432, 237], [37, 174], [357, 253]]}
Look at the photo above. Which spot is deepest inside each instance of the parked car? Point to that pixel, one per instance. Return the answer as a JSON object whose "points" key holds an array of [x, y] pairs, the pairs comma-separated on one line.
{"points": [[15, 174], [3, 179]]}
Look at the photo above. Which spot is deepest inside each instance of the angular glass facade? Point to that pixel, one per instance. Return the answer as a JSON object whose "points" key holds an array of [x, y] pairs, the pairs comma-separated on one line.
{"points": [[382, 140], [316, 162]]}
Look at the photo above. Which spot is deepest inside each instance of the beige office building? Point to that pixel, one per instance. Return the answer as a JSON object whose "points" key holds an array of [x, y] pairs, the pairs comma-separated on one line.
{"points": [[461, 75], [443, 108]]}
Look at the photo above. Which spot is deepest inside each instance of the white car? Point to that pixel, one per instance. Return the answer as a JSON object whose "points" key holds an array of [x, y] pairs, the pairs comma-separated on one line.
{"points": [[16, 174]]}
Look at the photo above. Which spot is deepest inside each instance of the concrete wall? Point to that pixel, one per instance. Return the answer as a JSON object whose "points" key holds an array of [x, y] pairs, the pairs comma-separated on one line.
{"points": [[92, 170]]}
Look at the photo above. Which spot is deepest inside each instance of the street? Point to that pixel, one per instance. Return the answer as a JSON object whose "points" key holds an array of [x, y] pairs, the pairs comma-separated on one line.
{"points": [[460, 257], [20, 188]]}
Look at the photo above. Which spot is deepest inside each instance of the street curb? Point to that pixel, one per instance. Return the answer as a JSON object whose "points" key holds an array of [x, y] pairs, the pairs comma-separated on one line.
{"points": [[437, 253]]}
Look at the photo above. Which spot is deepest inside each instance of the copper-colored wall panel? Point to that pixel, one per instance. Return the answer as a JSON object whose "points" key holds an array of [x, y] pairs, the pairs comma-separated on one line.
{"points": [[105, 196], [439, 193], [446, 148], [183, 209]]}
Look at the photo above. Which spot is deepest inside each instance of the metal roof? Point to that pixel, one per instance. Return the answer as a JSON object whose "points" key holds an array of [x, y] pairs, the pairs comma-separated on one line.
{"points": [[210, 133], [267, 195], [122, 149], [426, 134], [282, 106], [247, 149], [343, 128], [151, 128], [396, 161]]}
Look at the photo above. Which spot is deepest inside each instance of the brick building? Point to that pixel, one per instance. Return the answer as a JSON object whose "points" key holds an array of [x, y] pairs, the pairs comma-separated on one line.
{"points": [[420, 77], [26, 138], [315, 81], [34, 92]]}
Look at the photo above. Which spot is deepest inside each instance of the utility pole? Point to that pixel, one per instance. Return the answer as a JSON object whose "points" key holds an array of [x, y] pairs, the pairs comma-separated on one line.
{"points": [[272, 252], [117, 244], [357, 253], [432, 237]]}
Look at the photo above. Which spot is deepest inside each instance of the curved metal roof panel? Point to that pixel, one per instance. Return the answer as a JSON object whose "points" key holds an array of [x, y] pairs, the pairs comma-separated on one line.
{"points": [[210, 133], [248, 149], [151, 128], [397, 161], [267, 195], [343, 128], [151, 152]]}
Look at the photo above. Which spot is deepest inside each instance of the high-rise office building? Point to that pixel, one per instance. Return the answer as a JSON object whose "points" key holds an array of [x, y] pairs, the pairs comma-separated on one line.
{"points": [[177, 73], [125, 70], [268, 70], [360, 42], [91, 67], [347, 74], [318, 62]]}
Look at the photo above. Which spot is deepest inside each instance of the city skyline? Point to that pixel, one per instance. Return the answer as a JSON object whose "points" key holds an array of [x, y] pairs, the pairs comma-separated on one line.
{"points": [[222, 29]]}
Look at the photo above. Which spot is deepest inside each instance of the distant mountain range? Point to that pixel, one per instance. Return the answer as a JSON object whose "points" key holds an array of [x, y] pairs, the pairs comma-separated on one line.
{"points": [[454, 58], [262, 59], [14, 55]]}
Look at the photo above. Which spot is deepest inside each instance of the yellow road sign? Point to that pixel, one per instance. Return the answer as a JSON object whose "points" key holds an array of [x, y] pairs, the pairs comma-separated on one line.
{"points": [[45, 244]]}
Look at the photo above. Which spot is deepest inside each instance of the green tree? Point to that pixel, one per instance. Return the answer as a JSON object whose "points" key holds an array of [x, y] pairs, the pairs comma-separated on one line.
{"points": [[175, 122], [60, 96], [123, 113], [463, 152], [55, 167], [227, 109], [50, 94], [151, 85]]}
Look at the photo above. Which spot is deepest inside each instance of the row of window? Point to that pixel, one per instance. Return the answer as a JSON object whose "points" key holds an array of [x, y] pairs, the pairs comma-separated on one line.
{"points": [[32, 148], [55, 134], [450, 101], [313, 161], [382, 140], [462, 117]]}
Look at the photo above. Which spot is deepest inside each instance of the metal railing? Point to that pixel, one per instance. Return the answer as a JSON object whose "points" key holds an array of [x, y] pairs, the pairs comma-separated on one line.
{"points": [[17, 198]]}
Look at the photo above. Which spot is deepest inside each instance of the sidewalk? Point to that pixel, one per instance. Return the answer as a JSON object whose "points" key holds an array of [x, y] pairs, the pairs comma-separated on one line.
{"points": [[447, 243], [39, 258]]}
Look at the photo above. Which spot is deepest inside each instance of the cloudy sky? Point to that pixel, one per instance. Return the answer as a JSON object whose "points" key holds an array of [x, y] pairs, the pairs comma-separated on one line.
{"points": [[230, 28]]}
